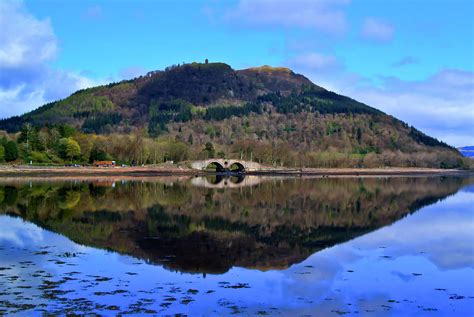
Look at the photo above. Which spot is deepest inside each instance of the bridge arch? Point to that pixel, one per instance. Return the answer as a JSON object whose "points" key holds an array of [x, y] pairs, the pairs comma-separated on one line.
{"points": [[237, 166], [219, 166]]}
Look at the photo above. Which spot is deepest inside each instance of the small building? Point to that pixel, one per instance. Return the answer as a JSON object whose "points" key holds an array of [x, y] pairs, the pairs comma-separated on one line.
{"points": [[104, 163]]}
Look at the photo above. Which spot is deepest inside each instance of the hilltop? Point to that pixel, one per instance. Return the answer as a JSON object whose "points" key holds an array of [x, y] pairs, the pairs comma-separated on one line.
{"points": [[174, 94], [268, 114]]}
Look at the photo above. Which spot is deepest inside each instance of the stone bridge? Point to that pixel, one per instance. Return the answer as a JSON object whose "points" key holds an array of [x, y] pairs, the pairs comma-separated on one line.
{"points": [[227, 165]]}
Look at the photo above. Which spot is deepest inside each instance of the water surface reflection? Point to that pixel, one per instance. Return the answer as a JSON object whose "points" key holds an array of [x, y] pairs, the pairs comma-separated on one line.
{"points": [[255, 246]]}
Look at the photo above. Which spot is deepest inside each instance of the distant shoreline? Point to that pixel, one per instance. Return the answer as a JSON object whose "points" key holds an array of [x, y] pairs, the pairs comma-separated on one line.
{"points": [[150, 171]]}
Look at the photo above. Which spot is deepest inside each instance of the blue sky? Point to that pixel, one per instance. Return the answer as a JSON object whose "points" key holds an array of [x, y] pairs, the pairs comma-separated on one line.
{"points": [[412, 59]]}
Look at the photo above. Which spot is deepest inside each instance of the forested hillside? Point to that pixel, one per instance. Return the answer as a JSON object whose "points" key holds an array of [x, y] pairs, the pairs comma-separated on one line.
{"points": [[198, 110]]}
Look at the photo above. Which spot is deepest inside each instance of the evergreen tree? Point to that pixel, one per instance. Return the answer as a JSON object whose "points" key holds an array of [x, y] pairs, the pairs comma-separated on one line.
{"points": [[97, 155], [209, 148], [2, 153], [11, 151], [359, 134]]}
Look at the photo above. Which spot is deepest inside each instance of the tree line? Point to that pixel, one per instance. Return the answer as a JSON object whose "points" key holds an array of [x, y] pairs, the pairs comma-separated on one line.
{"points": [[329, 142], [63, 144]]}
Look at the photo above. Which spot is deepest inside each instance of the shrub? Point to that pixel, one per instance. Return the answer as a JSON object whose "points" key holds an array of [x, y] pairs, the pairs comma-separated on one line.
{"points": [[39, 157]]}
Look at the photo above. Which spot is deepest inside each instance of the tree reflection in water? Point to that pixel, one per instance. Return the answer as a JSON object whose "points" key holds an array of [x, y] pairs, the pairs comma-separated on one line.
{"points": [[209, 225]]}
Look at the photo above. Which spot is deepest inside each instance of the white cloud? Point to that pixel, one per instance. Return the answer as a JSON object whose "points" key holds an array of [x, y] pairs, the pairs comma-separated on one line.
{"points": [[313, 60], [323, 15], [24, 40], [27, 45], [18, 233], [13, 101], [325, 70], [54, 85], [377, 30]]}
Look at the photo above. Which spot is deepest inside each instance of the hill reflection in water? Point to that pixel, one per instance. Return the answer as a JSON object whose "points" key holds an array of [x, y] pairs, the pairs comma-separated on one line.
{"points": [[210, 225]]}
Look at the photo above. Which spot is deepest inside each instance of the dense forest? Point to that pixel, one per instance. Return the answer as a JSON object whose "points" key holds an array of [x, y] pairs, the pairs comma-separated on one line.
{"points": [[194, 111]]}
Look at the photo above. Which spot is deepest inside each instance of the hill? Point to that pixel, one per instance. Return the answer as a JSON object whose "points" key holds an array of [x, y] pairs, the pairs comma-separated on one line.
{"points": [[268, 114], [163, 96]]}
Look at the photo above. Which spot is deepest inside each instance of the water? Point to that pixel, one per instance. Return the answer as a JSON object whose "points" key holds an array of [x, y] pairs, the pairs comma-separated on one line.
{"points": [[245, 246]]}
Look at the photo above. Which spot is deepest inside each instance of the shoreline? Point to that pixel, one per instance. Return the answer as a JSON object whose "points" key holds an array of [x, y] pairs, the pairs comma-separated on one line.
{"points": [[151, 171]]}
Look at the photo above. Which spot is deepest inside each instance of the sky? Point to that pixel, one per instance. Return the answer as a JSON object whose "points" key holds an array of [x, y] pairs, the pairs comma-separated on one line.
{"points": [[413, 59]]}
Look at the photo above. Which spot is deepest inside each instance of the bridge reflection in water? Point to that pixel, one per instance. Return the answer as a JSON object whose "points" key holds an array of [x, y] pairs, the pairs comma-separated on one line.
{"points": [[227, 181]]}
